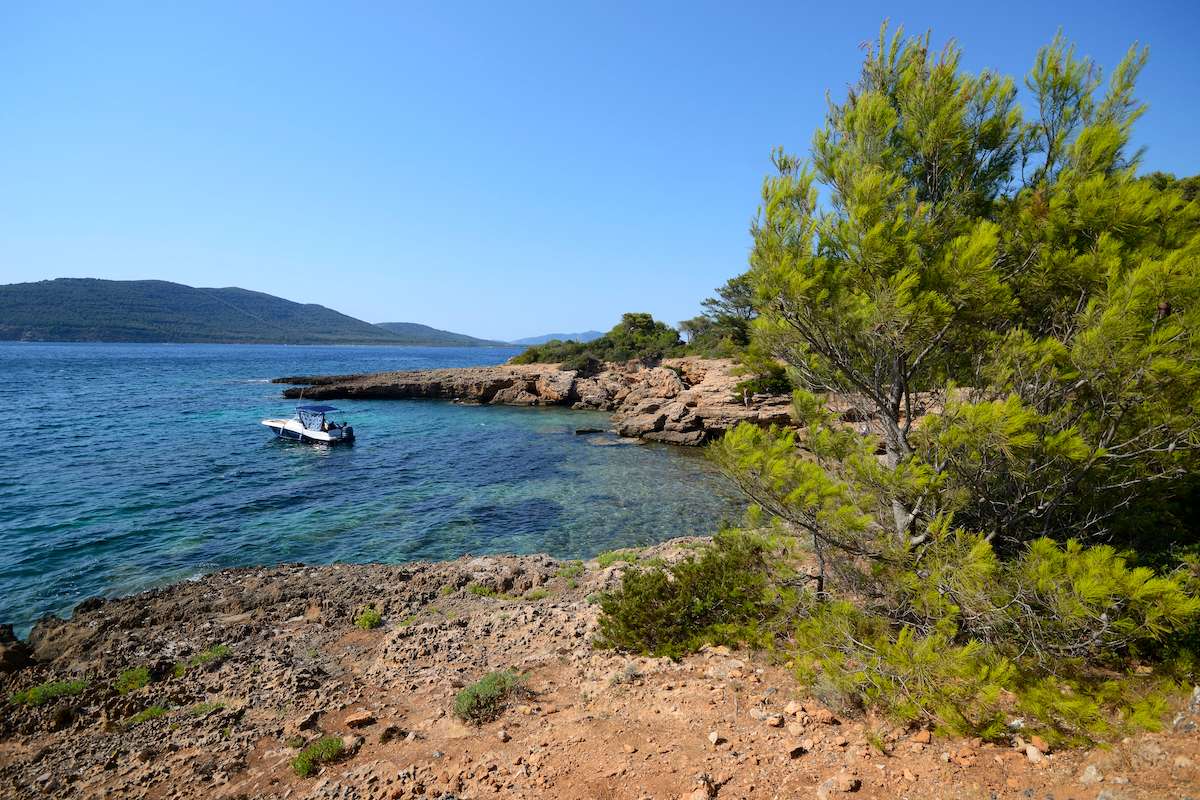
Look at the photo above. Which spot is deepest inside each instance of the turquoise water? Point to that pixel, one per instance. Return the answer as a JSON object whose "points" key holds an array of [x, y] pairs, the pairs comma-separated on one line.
{"points": [[130, 466]]}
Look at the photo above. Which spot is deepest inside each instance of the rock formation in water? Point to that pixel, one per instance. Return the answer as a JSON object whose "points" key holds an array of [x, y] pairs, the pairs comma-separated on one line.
{"points": [[682, 400]]}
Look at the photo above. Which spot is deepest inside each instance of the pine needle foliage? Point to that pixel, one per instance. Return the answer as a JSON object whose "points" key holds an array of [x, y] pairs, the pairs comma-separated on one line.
{"points": [[993, 325], [718, 597]]}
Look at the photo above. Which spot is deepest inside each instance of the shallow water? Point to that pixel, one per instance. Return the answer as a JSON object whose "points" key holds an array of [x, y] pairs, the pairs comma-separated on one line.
{"points": [[131, 466]]}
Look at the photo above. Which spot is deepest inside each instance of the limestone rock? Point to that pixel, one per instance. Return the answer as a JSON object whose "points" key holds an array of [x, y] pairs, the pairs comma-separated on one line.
{"points": [[14, 654]]}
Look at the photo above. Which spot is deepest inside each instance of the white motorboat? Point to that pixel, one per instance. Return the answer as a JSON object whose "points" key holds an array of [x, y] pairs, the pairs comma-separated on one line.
{"points": [[310, 425]]}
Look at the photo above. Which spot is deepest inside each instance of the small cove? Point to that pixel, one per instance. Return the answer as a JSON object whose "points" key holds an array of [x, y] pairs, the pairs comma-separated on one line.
{"points": [[139, 465]]}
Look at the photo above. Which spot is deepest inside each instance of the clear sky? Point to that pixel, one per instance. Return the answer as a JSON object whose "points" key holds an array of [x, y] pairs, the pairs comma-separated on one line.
{"points": [[501, 169]]}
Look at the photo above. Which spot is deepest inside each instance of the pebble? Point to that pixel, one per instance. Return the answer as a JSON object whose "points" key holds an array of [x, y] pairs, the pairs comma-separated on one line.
{"points": [[839, 783]]}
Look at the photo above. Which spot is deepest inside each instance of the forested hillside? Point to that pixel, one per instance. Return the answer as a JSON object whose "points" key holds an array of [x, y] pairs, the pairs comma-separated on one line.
{"points": [[91, 310]]}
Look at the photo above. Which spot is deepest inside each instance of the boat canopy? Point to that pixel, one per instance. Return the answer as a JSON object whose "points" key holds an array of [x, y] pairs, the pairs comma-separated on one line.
{"points": [[311, 417]]}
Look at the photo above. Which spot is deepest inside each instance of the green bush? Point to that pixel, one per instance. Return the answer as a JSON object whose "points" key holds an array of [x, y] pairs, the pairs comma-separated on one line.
{"points": [[718, 598], [214, 654], [368, 618], [153, 712], [611, 557], [772, 380], [636, 336], [132, 679], [40, 695], [203, 708], [571, 569], [322, 751], [485, 699]]}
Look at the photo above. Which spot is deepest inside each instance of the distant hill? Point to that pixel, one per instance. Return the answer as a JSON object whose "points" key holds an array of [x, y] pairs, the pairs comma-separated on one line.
{"points": [[92, 310], [413, 333], [586, 336]]}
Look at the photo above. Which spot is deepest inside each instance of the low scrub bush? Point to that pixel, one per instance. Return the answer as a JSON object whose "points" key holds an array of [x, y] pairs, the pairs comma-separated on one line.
{"points": [[571, 569], [204, 708], [718, 597], [611, 557], [213, 655], [368, 619], [145, 715], [485, 699], [132, 679], [40, 695], [772, 380], [322, 751]]}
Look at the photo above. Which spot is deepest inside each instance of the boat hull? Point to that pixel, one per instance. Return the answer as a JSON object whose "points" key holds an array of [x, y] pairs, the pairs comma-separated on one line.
{"points": [[292, 430]]}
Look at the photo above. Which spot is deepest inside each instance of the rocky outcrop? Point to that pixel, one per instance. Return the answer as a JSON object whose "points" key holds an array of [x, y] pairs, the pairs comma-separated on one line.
{"points": [[684, 401], [243, 669]]}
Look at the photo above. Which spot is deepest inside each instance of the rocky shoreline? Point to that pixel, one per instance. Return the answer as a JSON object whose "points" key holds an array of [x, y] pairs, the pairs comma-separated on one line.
{"points": [[685, 401], [244, 667]]}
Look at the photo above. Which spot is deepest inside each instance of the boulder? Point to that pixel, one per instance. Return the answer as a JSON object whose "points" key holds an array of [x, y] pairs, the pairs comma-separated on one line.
{"points": [[14, 654]]}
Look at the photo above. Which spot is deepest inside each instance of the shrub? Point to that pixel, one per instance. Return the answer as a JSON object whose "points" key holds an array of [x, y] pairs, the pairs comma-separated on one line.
{"points": [[717, 598], [485, 699], [479, 590], [369, 618], [571, 569], [132, 679], [613, 556], [540, 593], [636, 336], [772, 380], [213, 655], [204, 708], [40, 695], [145, 715], [322, 751]]}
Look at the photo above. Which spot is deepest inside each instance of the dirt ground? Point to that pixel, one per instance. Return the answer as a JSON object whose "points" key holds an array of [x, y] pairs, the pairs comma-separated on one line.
{"points": [[592, 724]]}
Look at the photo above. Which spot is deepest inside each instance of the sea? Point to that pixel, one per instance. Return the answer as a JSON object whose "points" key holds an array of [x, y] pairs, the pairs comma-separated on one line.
{"points": [[131, 466]]}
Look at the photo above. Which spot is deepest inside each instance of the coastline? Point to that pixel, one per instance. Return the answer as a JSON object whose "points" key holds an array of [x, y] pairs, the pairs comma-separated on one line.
{"points": [[293, 667], [685, 401]]}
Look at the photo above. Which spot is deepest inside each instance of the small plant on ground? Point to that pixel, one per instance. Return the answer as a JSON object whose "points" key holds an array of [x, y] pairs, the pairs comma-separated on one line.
{"points": [[485, 699], [153, 712], [212, 655], [408, 621], [628, 674], [539, 593], [322, 751], [132, 679], [484, 591], [448, 589], [205, 708], [39, 695], [629, 556], [572, 569], [369, 618]]}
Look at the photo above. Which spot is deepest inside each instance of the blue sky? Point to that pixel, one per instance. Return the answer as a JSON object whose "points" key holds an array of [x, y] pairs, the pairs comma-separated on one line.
{"points": [[499, 169]]}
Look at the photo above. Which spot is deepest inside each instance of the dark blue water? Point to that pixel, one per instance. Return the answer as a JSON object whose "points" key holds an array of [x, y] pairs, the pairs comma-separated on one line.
{"points": [[130, 466]]}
